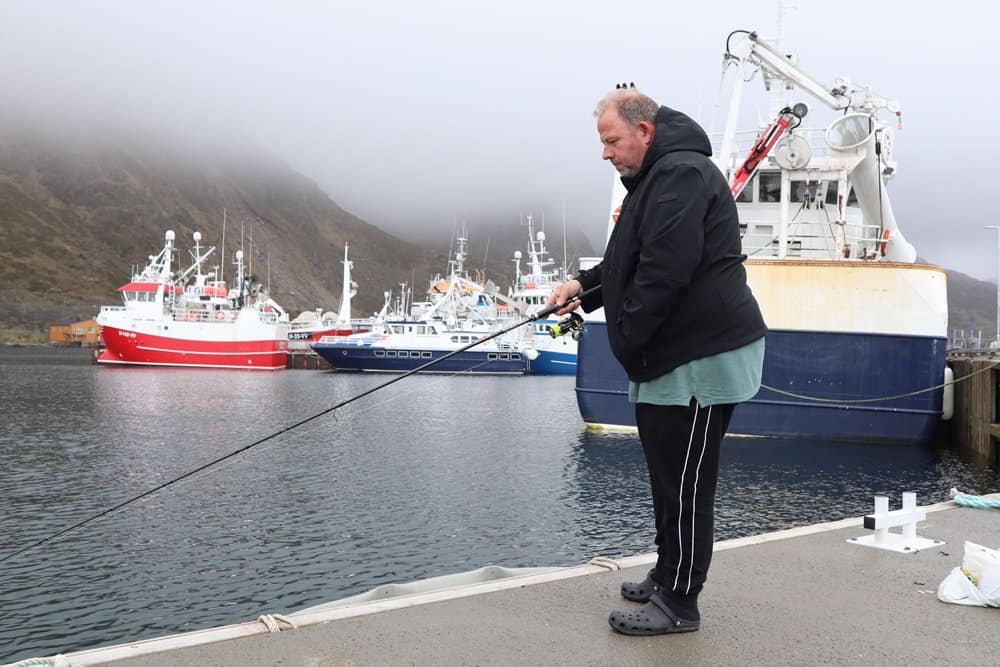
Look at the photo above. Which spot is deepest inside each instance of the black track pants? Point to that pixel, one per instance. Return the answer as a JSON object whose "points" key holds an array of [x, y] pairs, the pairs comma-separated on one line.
{"points": [[682, 451]]}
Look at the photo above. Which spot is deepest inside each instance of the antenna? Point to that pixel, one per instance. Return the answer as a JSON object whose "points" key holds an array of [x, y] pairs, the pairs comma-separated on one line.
{"points": [[222, 271], [565, 257]]}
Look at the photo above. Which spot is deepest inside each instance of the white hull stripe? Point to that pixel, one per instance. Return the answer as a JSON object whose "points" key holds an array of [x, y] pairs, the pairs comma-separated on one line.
{"points": [[231, 354], [176, 365]]}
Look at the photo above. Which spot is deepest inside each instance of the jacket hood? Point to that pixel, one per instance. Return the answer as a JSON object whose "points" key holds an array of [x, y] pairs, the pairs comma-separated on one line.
{"points": [[675, 131]]}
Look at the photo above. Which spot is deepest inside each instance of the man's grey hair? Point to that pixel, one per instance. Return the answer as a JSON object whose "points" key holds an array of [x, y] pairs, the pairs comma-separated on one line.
{"points": [[631, 105]]}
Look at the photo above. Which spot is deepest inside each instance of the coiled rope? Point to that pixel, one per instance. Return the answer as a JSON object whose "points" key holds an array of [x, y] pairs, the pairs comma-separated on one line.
{"points": [[970, 500], [274, 621], [54, 661], [881, 398], [604, 561]]}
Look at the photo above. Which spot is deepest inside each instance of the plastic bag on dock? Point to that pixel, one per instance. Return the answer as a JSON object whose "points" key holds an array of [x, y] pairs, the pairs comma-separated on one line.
{"points": [[977, 581]]}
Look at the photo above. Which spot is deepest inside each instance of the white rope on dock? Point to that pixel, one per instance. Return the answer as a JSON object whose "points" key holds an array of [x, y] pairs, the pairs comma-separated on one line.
{"points": [[274, 621], [54, 661], [603, 561], [970, 500]]}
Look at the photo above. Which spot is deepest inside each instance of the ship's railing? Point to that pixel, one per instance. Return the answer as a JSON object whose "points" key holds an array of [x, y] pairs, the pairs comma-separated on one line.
{"points": [[361, 341], [744, 140], [815, 240], [200, 315]]}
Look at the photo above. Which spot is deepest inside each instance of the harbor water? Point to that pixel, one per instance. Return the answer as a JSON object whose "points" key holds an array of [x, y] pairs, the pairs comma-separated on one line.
{"points": [[431, 476]]}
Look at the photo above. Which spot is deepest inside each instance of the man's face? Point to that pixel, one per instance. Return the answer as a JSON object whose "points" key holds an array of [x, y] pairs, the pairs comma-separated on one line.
{"points": [[625, 146]]}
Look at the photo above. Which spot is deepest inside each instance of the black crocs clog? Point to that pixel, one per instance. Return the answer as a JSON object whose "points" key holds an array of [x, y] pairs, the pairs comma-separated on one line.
{"points": [[653, 618]]}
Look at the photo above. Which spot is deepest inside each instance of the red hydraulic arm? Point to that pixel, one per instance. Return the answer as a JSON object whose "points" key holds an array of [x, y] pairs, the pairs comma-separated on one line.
{"points": [[763, 146]]}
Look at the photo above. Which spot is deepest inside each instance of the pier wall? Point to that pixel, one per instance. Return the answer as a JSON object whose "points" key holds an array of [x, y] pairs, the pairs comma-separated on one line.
{"points": [[306, 360], [975, 426]]}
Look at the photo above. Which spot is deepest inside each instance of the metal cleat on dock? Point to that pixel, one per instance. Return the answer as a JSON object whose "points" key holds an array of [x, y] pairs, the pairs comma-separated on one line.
{"points": [[907, 518]]}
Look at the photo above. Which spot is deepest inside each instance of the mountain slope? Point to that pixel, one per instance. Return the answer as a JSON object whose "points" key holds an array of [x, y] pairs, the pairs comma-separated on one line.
{"points": [[78, 213]]}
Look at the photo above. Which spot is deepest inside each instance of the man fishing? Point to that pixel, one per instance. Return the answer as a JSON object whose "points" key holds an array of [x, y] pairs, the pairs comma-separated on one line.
{"points": [[685, 326]]}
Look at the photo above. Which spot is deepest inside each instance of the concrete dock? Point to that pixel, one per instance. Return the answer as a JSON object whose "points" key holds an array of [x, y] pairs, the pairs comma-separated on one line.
{"points": [[804, 596]]}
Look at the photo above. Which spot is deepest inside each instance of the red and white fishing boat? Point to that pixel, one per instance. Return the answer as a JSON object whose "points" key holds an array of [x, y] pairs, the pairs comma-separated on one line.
{"points": [[310, 326], [191, 318]]}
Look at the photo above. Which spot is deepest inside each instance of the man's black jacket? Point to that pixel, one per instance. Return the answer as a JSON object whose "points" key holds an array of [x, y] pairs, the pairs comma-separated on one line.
{"points": [[673, 285]]}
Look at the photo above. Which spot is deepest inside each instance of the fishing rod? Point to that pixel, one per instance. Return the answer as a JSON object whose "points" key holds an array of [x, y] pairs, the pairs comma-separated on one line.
{"points": [[572, 324]]}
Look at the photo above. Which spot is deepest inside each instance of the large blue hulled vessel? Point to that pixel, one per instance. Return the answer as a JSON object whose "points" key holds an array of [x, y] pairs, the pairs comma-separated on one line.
{"points": [[857, 330], [826, 367]]}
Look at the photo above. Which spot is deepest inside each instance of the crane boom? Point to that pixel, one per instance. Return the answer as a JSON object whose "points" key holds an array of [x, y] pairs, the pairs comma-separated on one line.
{"points": [[764, 55]]}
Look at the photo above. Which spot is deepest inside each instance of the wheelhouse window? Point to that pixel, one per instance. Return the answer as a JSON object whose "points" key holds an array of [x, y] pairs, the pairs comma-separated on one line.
{"points": [[797, 192], [747, 194], [769, 187], [831, 193]]}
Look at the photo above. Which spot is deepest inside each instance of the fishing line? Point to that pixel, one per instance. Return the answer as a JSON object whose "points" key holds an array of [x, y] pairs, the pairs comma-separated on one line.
{"points": [[315, 428], [202, 468]]}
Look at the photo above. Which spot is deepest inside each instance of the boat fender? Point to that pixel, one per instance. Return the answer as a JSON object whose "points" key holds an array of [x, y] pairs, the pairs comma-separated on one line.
{"points": [[885, 241], [948, 395], [219, 315]]}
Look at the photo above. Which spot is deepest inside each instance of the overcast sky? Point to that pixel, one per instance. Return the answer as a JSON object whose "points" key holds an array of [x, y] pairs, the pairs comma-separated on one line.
{"points": [[415, 115]]}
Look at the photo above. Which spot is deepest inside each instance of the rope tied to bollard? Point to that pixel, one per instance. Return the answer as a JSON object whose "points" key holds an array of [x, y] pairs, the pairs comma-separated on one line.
{"points": [[971, 500]]}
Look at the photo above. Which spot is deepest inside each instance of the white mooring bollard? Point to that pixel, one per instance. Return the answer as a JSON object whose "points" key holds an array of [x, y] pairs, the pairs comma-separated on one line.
{"points": [[882, 520]]}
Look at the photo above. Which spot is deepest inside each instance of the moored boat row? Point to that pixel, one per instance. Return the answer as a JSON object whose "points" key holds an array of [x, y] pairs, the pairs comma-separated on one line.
{"points": [[190, 318]]}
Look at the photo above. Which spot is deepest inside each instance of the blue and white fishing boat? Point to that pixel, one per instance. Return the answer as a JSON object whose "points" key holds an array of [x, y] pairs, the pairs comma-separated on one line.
{"points": [[398, 347], [858, 330], [531, 289], [459, 312]]}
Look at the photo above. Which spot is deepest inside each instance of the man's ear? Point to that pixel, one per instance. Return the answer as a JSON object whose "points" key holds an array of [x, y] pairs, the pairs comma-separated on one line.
{"points": [[646, 131]]}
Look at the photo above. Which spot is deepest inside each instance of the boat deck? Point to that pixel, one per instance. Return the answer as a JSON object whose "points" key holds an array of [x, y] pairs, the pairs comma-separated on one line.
{"points": [[801, 596]]}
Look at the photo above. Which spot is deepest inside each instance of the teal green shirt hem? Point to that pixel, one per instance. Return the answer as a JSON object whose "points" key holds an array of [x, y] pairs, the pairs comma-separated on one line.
{"points": [[729, 377]]}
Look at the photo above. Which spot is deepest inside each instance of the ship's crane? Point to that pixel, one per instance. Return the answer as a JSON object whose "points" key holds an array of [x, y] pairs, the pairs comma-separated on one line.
{"points": [[775, 65], [779, 66], [857, 133], [789, 118]]}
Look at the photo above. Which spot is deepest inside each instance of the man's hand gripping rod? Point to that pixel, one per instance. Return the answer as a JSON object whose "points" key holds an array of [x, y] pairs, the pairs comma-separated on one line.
{"points": [[545, 312], [573, 323]]}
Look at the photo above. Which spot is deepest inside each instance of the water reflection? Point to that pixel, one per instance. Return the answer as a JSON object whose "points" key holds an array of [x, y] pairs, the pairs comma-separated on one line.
{"points": [[608, 488], [430, 476]]}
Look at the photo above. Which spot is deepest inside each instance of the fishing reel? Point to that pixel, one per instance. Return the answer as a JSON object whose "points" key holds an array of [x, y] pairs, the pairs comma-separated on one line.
{"points": [[572, 325]]}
